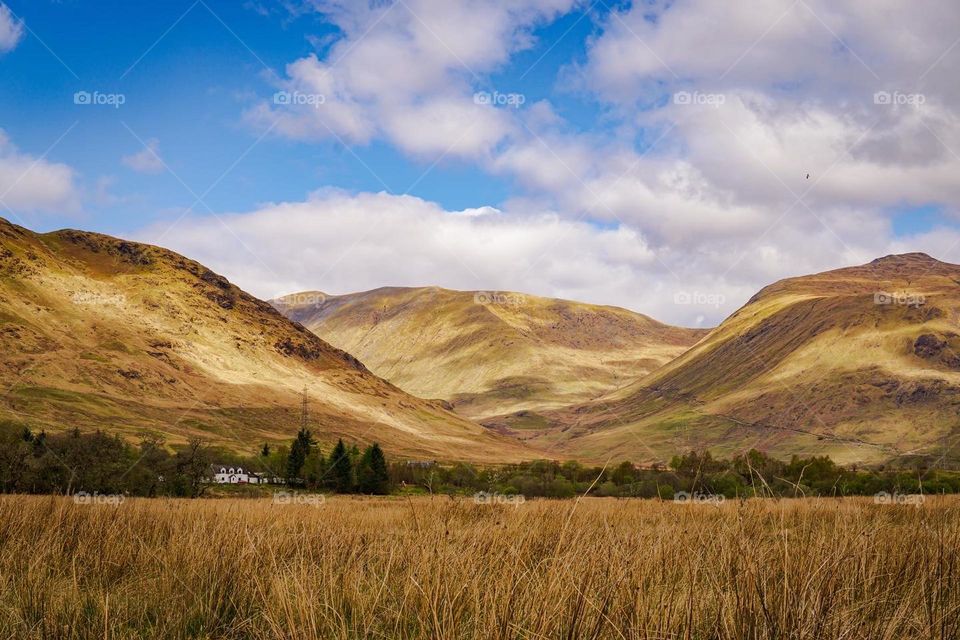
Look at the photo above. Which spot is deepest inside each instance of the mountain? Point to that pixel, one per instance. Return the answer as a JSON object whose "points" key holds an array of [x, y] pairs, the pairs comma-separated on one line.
{"points": [[861, 363], [489, 353], [97, 332]]}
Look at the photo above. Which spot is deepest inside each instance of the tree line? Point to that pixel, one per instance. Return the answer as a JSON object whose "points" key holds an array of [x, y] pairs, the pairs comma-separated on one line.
{"points": [[751, 474], [344, 470], [96, 462], [72, 461]]}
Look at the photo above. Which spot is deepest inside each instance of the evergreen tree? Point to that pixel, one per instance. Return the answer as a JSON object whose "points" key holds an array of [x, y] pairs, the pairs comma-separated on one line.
{"points": [[372, 475], [295, 461], [298, 454], [341, 469], [305, 439], [265, 451]]}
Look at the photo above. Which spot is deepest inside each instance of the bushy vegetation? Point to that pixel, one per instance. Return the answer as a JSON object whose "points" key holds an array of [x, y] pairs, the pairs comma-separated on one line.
{"points": [[345, 470], [747, 475], [72, 461]]}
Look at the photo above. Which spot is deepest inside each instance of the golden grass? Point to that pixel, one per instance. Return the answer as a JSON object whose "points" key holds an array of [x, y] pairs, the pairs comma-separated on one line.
{"points": [[445, 568]]}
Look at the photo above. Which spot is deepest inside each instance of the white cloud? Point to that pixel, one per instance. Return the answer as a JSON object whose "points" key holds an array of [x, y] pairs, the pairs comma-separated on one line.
{"points": [[799, 101], [715, 198], [796, 84], [147, 160], [338, 242], [30, 184], [406, 71], [341, 243], [11, 30], [833, 49]]}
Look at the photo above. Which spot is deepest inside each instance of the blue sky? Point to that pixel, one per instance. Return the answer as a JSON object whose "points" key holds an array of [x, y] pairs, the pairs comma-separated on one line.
{"points": [[188, 89], [638, 152]]}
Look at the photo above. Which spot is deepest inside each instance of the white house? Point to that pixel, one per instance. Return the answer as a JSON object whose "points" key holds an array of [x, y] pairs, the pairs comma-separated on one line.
{"points": [[225, 474]]}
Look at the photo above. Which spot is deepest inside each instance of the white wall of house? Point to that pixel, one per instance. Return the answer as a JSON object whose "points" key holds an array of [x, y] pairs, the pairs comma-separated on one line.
{"points": [[236, 475]]}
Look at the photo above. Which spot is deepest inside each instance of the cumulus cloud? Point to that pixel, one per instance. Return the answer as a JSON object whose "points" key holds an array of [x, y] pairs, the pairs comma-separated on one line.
{"points": [[405, 71], [30, 184], [835, 50], [728, 157], [860, 95], [340, 242], [11, 29], [147, 160]]}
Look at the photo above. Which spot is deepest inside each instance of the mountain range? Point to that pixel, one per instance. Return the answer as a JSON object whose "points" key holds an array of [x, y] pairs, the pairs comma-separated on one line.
{"points": [[489, 353], [860, 363], [101, 333]]}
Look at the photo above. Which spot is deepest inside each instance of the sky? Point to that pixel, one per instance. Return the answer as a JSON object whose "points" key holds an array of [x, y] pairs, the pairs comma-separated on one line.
{"points": [[668, 156]]}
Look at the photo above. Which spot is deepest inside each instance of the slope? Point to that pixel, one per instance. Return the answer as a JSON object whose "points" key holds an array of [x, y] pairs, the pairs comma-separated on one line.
{"points": [[860, 363], [102, 333], [490, 353]]}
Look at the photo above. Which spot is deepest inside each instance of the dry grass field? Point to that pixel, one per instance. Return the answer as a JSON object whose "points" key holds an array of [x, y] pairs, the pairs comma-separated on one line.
{"points": [[445, 568]]}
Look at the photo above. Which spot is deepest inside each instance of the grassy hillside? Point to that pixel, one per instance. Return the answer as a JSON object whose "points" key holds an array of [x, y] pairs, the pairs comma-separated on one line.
{"points": [[490, 353], [860, 363], [97, 332]]}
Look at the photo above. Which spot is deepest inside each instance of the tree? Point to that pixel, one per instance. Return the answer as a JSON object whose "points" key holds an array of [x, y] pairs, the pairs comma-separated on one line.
{"points": [[190, 468], [372, 475], [295, 462], [265, 451], [625, 473], [341, 469], [298, 454], [315, 469]]}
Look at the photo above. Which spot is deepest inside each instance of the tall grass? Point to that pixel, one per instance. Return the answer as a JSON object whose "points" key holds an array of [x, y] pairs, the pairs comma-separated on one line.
{"points": [[444, 568]]}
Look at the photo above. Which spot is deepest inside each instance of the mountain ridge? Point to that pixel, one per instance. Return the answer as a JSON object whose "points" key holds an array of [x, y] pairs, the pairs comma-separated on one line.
{"points": [[492, 351], [101, 332], [858, 362]]}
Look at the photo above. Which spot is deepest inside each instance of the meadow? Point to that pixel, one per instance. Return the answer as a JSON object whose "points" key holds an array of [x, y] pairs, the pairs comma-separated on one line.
{"points": [[441, 567]]}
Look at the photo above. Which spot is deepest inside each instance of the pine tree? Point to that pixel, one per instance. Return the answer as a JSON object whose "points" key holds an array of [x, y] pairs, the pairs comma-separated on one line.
{"points": [[372, 475], [265, 451], [341, 471], [298, 454], [295, 462]]}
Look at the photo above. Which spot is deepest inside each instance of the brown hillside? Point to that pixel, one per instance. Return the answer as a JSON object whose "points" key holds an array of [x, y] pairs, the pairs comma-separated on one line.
{"points": [[861, 363], [98, 332], [490, 353]]}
